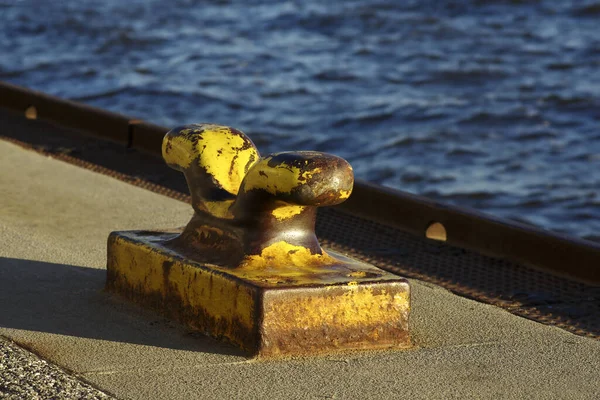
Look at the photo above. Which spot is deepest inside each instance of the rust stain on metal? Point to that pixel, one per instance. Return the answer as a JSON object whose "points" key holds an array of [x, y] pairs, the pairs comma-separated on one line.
{"points": [[370, 316], [248, 266]]}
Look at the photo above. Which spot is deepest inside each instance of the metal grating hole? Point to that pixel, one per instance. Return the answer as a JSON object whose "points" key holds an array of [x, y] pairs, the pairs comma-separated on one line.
{"points": [[436, 231], [31, 112]]}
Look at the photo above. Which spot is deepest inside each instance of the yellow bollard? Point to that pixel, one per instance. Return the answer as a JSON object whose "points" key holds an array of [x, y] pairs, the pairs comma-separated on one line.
{"points": [[248, 267]]}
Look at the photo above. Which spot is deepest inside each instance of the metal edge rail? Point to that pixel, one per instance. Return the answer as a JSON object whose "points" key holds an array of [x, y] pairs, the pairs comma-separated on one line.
{"points": [[549, 251]]}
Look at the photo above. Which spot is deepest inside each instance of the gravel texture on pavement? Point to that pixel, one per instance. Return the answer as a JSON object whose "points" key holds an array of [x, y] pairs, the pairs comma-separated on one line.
{"points": [[23, 375]]}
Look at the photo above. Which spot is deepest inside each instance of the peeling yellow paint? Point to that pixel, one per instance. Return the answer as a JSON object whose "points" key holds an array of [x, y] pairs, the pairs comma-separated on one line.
{"points": [[210, 293], [222, 155], [313, 313], [219, 209], [279, 179], [284, 262], [305, 175], [288, 298], [178, 151], [287, 212], [344, 194], [285, 255], [356, 307]]}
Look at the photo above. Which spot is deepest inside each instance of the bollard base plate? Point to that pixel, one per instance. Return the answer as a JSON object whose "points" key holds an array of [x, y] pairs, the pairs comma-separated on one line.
{"points": [[347, 305]]}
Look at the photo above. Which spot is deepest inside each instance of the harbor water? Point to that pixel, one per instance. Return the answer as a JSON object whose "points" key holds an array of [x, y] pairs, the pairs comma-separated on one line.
{"points": [[489, 104]]}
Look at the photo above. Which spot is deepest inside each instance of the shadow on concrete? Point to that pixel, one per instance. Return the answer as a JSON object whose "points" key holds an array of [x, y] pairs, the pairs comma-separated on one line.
{"points": [[70, 300]]}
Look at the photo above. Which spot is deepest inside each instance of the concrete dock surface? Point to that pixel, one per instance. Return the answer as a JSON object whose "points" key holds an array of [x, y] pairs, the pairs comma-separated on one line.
{"points": [[54, 222]]}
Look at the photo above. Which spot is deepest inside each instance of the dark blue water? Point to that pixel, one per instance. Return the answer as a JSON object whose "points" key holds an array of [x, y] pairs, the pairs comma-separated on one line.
{"points": [[487, 104]]}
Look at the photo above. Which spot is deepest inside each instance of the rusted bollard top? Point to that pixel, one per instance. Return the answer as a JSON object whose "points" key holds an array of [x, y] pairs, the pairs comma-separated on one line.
{"points": [[245, 203]]}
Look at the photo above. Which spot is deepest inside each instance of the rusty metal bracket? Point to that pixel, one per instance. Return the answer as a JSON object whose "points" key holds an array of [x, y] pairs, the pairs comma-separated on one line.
{"points": [[248, 266]]}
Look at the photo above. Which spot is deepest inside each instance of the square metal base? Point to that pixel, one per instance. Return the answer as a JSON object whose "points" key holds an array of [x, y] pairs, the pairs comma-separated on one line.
{"points": [[345, 306]]}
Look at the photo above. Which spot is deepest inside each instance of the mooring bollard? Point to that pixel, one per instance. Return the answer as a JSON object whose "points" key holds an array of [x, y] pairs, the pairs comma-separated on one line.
{"points": [[248, 267]]}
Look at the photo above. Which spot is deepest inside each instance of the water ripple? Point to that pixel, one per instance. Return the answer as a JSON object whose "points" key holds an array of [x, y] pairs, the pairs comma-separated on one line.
{"points": [[488, 104]]}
